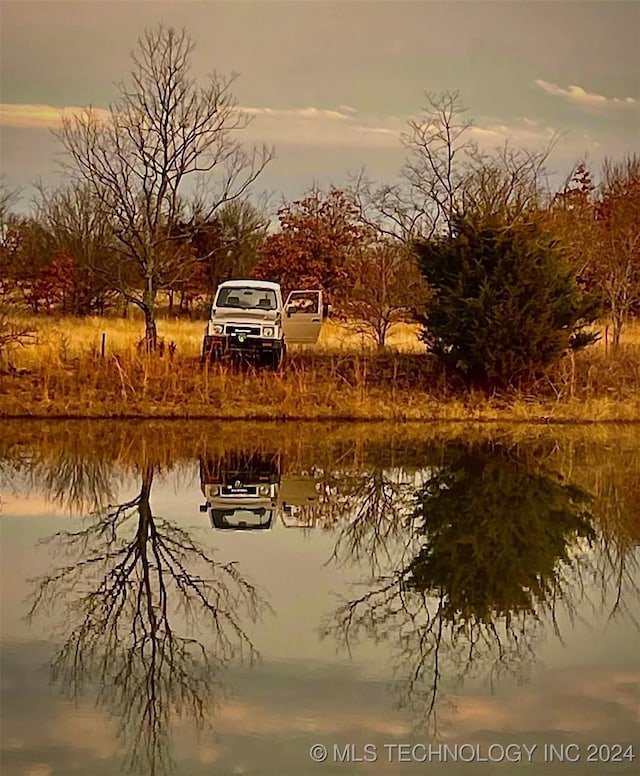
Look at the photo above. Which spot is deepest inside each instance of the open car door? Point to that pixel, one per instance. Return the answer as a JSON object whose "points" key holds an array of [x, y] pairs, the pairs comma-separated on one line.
{"points": [[299, 501], [302, 317]]}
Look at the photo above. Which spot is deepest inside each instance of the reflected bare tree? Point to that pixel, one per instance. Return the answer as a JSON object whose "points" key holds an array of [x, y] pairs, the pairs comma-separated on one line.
{"points": [[130, 577], [69, 478], [367, 510], [618, 560], [490, 559]]}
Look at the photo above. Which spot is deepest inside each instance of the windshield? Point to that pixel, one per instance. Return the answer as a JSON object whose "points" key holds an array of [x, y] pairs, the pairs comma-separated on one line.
{"points": [[245, 298]]}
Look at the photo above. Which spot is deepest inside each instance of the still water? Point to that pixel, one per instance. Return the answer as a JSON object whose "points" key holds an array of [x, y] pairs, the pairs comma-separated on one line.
{"points": [[207, 598]]}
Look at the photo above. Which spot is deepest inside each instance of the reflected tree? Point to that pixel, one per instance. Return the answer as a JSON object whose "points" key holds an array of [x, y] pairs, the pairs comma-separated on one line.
{"points": [[75, 481], [490, 557], [618, 503], [129, 579], [367, 510], [67, 476]]}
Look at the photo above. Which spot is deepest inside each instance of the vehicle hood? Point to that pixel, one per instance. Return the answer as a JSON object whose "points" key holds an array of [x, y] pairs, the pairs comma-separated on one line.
{"points": [[244, 315]]}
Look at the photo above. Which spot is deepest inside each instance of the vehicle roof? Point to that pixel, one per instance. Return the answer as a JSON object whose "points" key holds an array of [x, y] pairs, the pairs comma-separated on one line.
{"points": [[250, 282]]}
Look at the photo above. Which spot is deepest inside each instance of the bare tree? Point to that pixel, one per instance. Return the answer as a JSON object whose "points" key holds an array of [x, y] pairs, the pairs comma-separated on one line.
{"points": [[571, 215], [445, 172], [598, 228], [12, 331], [225, 246], [511, 182], [10, 237], [386, 288], [438, 144], [129, 581], [163, 131], [8, 198], [81, 230]]}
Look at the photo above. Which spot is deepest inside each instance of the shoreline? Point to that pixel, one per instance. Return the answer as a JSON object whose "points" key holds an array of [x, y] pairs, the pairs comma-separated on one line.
{"points": [[540, 415]]}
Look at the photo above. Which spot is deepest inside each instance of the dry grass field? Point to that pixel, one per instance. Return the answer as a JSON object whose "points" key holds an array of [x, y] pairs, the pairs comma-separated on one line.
{"points": [[62, 374], [75, 337]]}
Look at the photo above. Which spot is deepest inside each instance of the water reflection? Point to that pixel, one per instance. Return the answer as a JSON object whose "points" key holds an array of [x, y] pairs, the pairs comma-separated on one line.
{"points": [[471, 551], [127, 574], [496, 547], [246, 490], [241, 489]]}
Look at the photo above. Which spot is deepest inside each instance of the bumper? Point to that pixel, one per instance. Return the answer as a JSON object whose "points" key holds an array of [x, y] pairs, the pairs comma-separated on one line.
{"points": [[219, 346]]}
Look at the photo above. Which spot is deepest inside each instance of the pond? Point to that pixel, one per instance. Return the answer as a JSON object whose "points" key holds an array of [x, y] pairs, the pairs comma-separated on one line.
{"points": [[227, 598]]}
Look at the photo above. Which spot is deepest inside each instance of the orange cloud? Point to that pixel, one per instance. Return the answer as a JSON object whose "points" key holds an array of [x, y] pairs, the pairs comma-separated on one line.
{"points": [[12, 506], [40, 116]]}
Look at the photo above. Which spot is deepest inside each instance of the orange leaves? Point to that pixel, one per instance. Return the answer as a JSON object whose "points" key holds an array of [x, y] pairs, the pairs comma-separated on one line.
{"points": [[318, 239]]}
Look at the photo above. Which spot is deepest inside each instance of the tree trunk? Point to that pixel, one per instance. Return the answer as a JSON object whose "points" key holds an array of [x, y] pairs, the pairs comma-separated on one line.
{"points": [[150, 331], [149, 309], [617, 328]]}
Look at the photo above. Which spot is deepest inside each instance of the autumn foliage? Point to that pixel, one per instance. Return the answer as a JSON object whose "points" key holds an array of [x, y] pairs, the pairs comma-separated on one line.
{"points": [[598, 228], [320, 239]]}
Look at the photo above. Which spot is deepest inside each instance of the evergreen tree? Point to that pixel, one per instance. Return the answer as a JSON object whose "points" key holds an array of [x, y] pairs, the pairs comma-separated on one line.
{"points": [[504, 304]]}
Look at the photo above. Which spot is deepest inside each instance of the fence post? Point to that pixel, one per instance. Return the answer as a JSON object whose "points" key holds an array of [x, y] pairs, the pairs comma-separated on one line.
{"points": [[103, 344]]}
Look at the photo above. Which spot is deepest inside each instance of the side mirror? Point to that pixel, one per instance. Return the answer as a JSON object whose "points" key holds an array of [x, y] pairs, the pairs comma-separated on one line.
{"points": [[204, 507]]}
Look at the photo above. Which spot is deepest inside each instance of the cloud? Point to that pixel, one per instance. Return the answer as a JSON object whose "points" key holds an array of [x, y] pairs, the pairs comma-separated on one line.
{"points": [[300, 126], [318, 132], [320, 127], [29, 506], [588, 101], [298, 113], [532, 134], [253, 718], [598, 701], [521, 132], [40, 116]]}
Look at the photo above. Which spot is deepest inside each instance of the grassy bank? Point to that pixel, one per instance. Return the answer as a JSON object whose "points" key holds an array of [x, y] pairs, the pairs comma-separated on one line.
{"points": [[64, 375]]}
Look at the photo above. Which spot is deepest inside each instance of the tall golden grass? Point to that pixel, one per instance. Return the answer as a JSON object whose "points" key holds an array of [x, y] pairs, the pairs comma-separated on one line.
{"points": [[77, 335], [65, 374]]}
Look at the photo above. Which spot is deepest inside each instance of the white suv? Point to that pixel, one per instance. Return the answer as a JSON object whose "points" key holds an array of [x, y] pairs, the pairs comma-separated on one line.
{"points": [[249, 319]]}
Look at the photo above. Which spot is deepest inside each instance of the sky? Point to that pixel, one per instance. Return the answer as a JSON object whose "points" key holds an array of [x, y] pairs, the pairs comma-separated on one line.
{"points": [[331, 85]]}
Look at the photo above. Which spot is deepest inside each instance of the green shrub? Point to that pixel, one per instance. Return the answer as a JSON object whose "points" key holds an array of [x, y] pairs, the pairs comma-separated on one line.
{"points": [[504, 304]]}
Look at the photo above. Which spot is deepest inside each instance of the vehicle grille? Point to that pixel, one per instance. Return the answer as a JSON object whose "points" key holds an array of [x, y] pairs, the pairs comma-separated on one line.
{"points": [[250, 330]]}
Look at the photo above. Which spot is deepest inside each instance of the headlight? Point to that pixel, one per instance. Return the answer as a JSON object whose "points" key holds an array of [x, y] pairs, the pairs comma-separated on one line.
{"points": [[218, 328], [214, 490], [264, 490], [268, 331]]}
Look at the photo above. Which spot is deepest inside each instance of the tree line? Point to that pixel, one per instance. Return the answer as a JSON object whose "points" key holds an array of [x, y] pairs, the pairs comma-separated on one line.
{"points": [[158, 205]]}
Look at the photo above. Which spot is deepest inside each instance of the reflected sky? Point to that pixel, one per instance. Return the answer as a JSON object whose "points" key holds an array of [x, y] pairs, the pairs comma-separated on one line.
{"points": [[572, 678]]}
